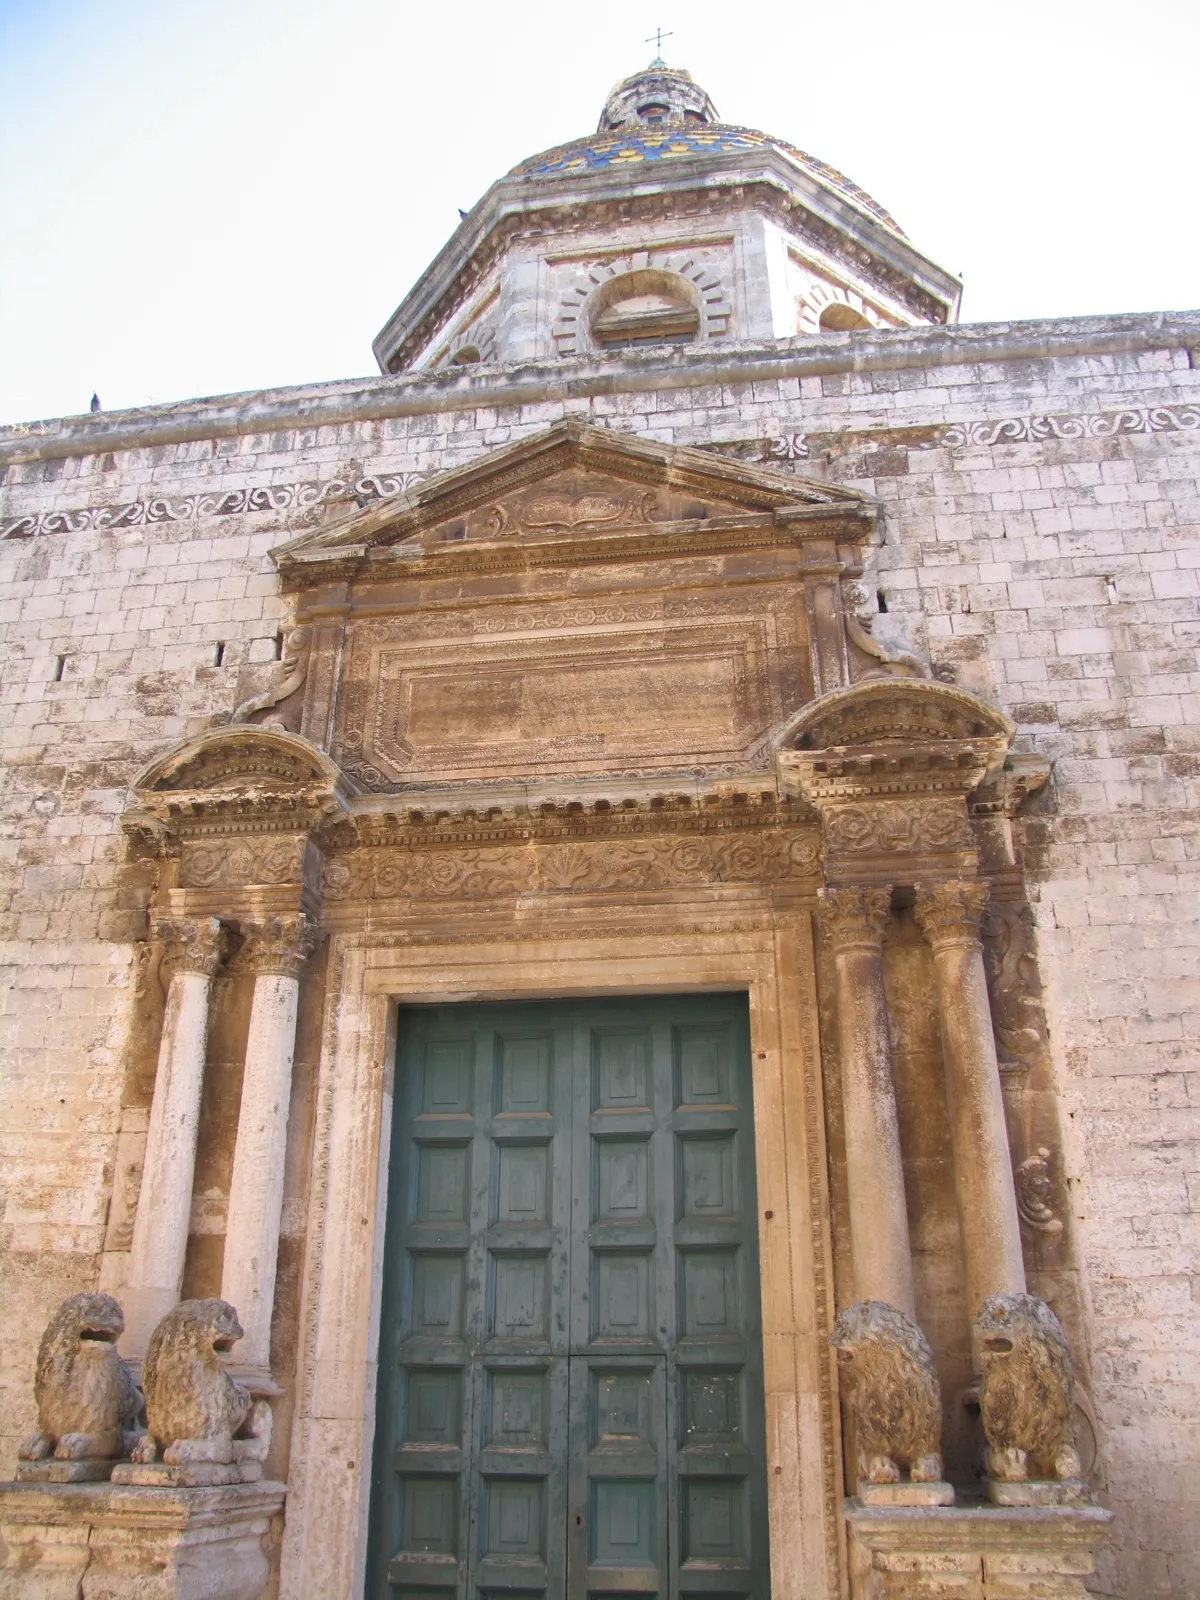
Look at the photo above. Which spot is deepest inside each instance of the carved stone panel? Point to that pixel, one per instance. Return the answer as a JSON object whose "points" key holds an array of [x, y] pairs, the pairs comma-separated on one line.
{"points": [[508, 693]]}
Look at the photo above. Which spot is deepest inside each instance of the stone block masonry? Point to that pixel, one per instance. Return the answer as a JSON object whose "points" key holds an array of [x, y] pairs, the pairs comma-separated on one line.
{"points": [[1040, 491]]}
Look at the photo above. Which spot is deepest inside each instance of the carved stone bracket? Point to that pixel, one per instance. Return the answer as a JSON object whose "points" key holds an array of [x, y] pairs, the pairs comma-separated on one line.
{"points": [[1035, 1186], [293, 671]]}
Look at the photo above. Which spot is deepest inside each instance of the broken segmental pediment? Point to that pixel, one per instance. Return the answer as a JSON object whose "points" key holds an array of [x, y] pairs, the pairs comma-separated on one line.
{"points": [[567, 490]]}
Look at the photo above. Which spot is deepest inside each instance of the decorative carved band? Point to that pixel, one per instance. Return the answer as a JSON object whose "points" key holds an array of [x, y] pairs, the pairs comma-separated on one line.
{"points": [[534, 868], [190, 944], [232, 503], [777, 452], [886, 826], [225, 863], [854, 919], [951, 914], [1089, 425], [279, 945]]}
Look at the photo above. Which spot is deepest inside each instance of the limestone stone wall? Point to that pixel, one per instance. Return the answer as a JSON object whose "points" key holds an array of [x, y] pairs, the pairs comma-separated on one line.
{"points": [[1041, 490]]}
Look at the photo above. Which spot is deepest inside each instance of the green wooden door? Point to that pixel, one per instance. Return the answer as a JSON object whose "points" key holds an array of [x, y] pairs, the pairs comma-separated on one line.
{"points": [[570, 1378]]}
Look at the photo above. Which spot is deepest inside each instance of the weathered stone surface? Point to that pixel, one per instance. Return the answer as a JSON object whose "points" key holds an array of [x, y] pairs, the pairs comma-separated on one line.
{"points": [[193, 1407], [108, 1542], [87, 1401], [1027, 1403], [1038, 497], [894, 1393]]}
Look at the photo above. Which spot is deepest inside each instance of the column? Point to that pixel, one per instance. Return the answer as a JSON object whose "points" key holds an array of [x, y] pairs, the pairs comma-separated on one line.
{"points": [[854, 921], [276, 950], [950, 915], [160, 1230]]}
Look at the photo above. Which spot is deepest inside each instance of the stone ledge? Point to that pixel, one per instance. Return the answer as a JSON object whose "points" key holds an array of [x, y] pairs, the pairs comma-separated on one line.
{"points": [[531, 383], [973, 1552], [113, 1542]]}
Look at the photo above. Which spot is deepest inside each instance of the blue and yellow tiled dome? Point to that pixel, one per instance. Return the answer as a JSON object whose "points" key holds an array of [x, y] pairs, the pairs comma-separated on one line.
{"points": [[661, 115]]}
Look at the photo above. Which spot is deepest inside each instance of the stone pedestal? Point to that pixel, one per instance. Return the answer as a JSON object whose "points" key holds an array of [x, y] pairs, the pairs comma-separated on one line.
{"points": [[972, 1552], [103, 1542]]}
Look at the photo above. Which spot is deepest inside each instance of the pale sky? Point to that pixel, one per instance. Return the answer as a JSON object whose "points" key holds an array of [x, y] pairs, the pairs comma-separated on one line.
{"points": [[204, 196]]}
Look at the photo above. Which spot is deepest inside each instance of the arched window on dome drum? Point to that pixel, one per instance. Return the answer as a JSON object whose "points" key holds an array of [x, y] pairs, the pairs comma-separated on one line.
{"points": [[466, 357], [840, 318], [644, 308], [654, 113]]}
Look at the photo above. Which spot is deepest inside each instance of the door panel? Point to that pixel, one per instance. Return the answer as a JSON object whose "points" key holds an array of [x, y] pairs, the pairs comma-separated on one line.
{"points": [[570, 1384]]}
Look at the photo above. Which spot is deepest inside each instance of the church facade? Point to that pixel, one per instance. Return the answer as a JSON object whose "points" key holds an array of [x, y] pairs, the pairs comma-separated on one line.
{"points": [[544, 877]]}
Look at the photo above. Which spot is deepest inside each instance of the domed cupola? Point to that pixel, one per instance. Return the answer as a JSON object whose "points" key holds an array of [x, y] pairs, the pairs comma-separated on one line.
{"points": [[659, 97], [666, 227]]}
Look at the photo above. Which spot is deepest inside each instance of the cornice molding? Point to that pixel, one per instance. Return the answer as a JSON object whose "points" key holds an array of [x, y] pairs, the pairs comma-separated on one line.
{"points": [[740, 506], [468, 389]]}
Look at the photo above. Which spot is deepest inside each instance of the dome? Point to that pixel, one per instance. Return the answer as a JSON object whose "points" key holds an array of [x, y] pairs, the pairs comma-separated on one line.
{"points": [[666, 228], [661, 115]]}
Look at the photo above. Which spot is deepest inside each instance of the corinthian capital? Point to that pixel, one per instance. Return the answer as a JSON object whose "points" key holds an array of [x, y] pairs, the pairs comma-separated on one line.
{"points": [[950, 914], [279, 945], [852, 919], [190, 944]]}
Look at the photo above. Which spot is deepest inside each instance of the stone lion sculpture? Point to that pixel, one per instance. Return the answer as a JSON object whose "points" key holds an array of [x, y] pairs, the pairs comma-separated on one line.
{"points": [[193, 1406], [1027, 1392], [87, 1401], [893, 1387]]}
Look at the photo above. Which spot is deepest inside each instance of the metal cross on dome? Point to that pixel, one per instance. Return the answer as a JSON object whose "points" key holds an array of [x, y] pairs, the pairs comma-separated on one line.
{"points": [[656, 39]]}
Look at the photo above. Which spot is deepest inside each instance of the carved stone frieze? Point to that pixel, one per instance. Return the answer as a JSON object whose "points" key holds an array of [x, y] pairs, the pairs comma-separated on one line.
{"points": [[578, 866], [781, 452], [1070, 425], [278, 944], [888, 826], [233, 863], [951, 914], [190, 944]]}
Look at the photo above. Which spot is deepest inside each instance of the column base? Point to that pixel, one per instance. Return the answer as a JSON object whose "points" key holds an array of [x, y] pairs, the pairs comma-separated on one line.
{"points": [[972, 1552], [86, 1541]]}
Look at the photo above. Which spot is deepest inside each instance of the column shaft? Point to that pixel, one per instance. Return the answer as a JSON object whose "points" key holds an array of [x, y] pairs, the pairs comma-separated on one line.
{"points": [[276, 949], [854, 921], [160, 1229], [950, 915]]}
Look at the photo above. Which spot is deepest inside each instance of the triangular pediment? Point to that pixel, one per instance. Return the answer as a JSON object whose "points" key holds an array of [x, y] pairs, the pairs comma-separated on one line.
{"points": [[567, 487]]}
